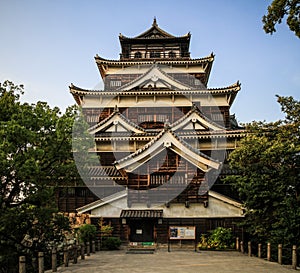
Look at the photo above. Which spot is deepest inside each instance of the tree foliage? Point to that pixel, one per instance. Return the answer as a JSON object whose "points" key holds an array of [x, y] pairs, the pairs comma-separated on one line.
{"points": [[87, 233], [267, 162], [278, 10], [35, 156]]}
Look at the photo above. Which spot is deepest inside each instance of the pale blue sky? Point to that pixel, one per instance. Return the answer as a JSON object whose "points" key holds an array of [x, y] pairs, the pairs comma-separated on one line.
{"points": [[46, 45]]}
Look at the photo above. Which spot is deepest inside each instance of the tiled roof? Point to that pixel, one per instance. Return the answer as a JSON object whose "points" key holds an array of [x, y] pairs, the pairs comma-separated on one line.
{"points": [[114, 113], [154, 32], [154, 66], [196, 110], [141, 213], [101, 172], [155, 139], [234, 88], [206, 59]]}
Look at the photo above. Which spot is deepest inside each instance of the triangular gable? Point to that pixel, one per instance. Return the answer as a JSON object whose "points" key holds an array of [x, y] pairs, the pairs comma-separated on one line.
{"points": [[102, 202], [116, 123], [155, 32], [155, 78], [219, 206], [195, 120], [167, 140]]}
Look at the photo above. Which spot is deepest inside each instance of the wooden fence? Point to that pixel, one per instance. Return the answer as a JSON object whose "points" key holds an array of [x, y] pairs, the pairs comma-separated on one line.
{"points": [[69, 253], [249, 249]]}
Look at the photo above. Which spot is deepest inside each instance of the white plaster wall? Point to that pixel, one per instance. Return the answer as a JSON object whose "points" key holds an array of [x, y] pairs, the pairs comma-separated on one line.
{"points": [[216, 209]]}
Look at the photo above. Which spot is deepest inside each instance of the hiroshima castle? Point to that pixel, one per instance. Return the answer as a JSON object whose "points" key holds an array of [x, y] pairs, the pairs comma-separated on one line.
{"points": [[162, 137]]}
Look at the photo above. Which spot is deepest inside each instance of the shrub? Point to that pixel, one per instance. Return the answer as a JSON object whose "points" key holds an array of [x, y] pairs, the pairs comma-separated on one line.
{"points": [[219, 238], [111, 243], [87, 233], [106, 230]]}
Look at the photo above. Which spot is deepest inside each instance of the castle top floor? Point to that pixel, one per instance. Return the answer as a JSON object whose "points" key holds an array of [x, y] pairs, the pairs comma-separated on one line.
{"points": [[155, 43]]}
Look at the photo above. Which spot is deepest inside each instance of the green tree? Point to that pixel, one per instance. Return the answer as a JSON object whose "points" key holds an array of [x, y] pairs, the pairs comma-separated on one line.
{"points": [[87, 233], [277, 10], [35, 156], [267, 162]]}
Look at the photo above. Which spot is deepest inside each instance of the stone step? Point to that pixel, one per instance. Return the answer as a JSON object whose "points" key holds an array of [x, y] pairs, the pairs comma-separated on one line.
{"points": [[142, 250]]}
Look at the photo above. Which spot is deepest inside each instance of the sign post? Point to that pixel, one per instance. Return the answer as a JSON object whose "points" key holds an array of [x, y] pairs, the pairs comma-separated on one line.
{"points": [[181, 233]]}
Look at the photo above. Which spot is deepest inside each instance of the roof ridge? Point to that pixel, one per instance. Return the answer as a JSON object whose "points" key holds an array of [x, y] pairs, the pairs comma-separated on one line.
{"points": [[115, 112], [155, 139], [195, 109], [172, 78], [140, 150], [137, 79], [192, 148], [153, 66], [154, 29], [102, 122]]}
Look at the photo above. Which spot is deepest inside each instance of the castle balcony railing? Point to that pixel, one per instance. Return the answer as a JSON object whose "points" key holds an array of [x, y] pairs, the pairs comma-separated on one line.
{"points": [[155, 56]]}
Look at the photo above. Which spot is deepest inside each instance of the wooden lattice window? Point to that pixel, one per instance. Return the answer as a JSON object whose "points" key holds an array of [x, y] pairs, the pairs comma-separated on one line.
{"points": [[172, 54], [115, 83], [138, 55], [154, 54]]}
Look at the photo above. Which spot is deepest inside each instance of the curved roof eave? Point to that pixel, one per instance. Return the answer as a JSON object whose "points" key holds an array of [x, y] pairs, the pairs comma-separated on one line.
{"points": [[155, 31], [104, 123], [207, 59], [231, 89], [170, 80], [172, 139]]}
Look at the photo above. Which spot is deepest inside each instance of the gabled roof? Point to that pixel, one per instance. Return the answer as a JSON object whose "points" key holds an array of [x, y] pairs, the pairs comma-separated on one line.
{"points": [[104, 64], [102, 202], [157, 78], [116, 123], [230, 92], [167, 139], [154, 32], [195, 120]]}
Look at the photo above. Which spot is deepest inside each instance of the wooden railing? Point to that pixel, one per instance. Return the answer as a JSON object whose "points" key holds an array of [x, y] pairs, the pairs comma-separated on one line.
{"points": [[248, 249], [69, 253], [155, 55]]}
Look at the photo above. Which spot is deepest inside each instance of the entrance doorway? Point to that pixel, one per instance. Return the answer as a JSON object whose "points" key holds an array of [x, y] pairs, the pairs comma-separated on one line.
{"points": [[141, 230]]}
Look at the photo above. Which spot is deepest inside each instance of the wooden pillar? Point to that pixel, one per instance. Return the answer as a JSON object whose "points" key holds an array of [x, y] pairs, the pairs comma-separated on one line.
{"points": [[34, 264], [294, 257], [259, 251], [22, 264], [93, 247], [88, 249], [54, 260], [269, 251], [280, 253], [66, 256], [242, 246], [249, 249], [41, 262], [237, 243], [75, 254], [82, 251]]}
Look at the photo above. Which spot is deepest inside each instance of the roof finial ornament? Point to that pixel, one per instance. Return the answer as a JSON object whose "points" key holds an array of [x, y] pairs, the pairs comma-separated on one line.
{"points": [[154, 24]]}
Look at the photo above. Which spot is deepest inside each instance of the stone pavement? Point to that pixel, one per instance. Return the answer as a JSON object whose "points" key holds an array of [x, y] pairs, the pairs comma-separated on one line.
{"points": [[176, 261]]}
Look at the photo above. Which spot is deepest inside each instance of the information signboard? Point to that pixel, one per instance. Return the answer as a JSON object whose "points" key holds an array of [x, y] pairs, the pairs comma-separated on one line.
{"points": [[182, 233]]}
